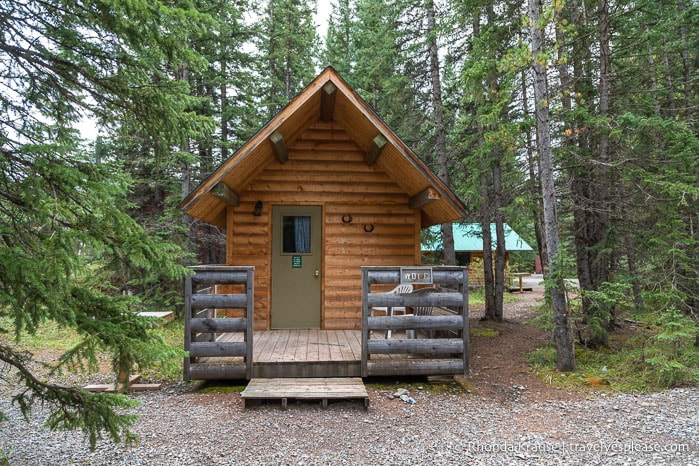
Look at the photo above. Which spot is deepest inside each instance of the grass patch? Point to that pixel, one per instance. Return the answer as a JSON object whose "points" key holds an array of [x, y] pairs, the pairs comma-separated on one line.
{"points": [[49, 336], [476, 297], [222, 387], [52, 337], [444, 388], [414, 385], [655, 355], [591, 371], [170, 369], [484, 332]]}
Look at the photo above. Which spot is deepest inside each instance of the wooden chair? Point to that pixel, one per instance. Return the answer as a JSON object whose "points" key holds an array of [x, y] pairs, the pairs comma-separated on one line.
{"points": [[391, 311], [422, 311]]}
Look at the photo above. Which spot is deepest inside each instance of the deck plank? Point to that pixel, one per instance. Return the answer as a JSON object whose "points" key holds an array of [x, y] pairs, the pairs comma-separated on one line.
{"points": [[334, 346], [262, 344], [301, 349], [299, 345], [277, 347], [323, 345]]}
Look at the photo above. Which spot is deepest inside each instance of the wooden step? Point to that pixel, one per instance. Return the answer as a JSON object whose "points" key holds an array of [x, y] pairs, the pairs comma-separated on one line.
{"points": [[322, 389], [134, 386]]}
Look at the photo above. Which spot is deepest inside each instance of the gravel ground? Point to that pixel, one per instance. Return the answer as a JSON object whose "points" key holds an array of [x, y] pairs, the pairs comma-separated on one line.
{"points": [[510, 418], [182, 426]]}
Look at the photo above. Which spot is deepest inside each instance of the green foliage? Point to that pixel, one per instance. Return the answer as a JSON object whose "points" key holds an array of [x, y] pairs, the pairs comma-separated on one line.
{"points": [[601, 306], [658, 355], [69, 252], [288, 43], [169, 365], [339, 50], [671, 357]]}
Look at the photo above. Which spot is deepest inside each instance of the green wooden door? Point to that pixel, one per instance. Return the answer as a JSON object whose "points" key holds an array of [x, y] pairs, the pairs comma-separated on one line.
{"points": [[296, 261]]}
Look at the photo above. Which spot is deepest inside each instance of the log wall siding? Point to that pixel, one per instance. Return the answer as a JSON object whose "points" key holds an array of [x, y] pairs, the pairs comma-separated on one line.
{"points": [[326, 168]]}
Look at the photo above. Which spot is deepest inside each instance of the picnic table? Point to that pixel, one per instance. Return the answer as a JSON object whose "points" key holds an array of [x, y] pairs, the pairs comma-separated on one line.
{"points": [[521, 275]]}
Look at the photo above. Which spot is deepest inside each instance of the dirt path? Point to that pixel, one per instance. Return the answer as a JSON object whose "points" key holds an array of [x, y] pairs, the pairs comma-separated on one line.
{"points": [[498, 363]]}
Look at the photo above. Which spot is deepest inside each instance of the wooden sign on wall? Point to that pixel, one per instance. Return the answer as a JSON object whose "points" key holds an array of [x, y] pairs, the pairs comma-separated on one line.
{"points": [[416, 276]]}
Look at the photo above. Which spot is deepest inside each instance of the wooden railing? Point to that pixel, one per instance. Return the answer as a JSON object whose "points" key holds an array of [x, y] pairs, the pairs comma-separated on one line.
{"points": [[218, 304], [444, 350]]}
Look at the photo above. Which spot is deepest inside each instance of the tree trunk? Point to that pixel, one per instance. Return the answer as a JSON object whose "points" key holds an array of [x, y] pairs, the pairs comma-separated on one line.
{"points": [[500, 252], [686, 63], [534, 185], [224, 105], [439, 131], [633, 271], [488, 279], [562, 330]]}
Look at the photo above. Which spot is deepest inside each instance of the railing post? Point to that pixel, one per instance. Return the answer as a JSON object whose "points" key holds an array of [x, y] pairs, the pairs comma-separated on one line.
{"points": [[249, 316], [464, 311], [187, 324], [365, 322]]}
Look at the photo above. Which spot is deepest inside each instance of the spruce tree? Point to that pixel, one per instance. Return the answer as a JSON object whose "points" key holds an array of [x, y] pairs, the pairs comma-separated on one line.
{"points": [[339, 47], [69, 253], [288, 46]]}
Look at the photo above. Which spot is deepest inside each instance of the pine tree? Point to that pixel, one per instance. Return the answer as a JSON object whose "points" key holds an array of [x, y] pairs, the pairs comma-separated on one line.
{"points": [[490, 130], [339, 48], [68, 251], [376, 75], [628, 66], [289, 48], [562, 325]]}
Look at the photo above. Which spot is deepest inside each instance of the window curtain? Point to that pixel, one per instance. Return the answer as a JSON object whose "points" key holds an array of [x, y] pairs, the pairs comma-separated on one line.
{"points": [[302, 230]]}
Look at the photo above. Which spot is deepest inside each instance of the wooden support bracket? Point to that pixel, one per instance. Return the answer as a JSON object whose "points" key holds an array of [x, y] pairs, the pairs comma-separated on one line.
{"points": [[424, 198], [375, 148], [279, 147], [226, 194], [327, 101]]}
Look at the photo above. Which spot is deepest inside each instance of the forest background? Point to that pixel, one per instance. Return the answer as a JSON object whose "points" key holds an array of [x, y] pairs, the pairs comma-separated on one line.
{"points": [[90, 232]]}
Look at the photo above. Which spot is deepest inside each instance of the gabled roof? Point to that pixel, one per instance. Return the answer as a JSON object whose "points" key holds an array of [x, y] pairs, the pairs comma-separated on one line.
{"points": [[327, 98], [468, 237]]}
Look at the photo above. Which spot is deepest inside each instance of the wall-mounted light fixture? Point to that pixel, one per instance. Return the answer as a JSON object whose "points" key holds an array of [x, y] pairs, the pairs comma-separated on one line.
{"points": [[258, 209]]}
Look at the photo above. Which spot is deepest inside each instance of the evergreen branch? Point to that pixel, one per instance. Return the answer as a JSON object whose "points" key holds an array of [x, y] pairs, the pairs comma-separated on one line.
{"points": [[72, 408]]}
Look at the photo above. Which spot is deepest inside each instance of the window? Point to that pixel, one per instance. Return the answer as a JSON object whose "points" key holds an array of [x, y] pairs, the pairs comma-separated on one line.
{"points": [[296, 234]]}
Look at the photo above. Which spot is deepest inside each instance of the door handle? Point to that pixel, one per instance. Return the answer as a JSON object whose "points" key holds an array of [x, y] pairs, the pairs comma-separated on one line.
{"points": [[317, 274]]}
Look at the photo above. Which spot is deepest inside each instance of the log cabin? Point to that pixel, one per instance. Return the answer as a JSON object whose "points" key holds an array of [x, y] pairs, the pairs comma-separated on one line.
{"points": [[322, 191], [468, 246]]}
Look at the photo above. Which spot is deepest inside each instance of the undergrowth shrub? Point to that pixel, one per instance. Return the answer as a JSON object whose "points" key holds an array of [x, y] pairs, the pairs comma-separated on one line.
{"points": [[671, 356], [660, 354]]}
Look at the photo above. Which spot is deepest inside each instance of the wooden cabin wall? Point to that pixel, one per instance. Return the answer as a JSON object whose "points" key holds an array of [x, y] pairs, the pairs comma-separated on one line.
{"points": [[325, 167]]}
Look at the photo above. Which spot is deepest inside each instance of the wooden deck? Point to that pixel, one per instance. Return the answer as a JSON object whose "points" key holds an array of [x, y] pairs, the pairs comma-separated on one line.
{"points": [[307, 345], [222, 347], [305, 352]]}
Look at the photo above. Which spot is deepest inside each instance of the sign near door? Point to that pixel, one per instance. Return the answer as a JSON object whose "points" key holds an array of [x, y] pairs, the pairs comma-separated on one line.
{"points": [[416, 276], [296, 262]]}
